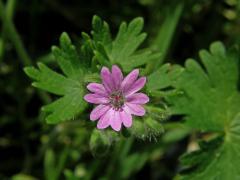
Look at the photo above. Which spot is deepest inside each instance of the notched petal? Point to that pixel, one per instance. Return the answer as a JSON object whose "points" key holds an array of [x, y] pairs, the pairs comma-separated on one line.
{"points": [[107, 79], [117, 76], [134, 109], [98, 112], [126, 118], [104, 121], [136, 86], [96, 99], [116, 121], [129, 80], [137, 98]]}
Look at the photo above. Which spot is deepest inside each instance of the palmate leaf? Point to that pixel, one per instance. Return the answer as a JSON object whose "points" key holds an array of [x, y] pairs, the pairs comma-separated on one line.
{"points": [[210, 102], [211, 97], [123, 50], [69, 86], [168, 73], [218, 159]]}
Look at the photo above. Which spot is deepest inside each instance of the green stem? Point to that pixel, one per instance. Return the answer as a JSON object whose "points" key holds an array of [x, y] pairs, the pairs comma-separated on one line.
{"points": [[10, 7], [120, 153], [6, 16], [2, 47]]}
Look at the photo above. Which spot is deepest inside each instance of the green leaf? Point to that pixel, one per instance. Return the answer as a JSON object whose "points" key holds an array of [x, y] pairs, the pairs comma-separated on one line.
{"points": [[69, 86], [216, 159], [86, 53], [165, 35], [101, 31], [163, 77], [210, 103], [210, 98], [175, 132], [123, 49], [67, 57]]}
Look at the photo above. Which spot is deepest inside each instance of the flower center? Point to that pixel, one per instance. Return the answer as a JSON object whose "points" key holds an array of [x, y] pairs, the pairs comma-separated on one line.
{"points": [[117, 99]]}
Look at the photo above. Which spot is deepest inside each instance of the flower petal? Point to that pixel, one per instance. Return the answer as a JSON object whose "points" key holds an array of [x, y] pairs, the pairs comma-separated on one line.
{"points": [[98, 111], [126, 119], [129, 80], [134, 109], [104, 121], [117, 76], [107, 79], [96, 99], [137, 98], [97, 89], [136, 86], [115, 121]]}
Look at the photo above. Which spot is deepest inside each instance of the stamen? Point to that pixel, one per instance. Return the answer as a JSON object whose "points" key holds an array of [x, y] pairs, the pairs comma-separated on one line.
{"points": [[117, 100]]}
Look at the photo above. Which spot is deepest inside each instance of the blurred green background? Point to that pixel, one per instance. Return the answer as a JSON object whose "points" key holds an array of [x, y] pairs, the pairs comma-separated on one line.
{"points": [[31, 149]]}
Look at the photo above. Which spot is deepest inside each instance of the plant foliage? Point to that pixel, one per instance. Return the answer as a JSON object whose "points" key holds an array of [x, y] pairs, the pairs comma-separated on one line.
{"points": [[68, 85], [209, 103], [124, 48]]}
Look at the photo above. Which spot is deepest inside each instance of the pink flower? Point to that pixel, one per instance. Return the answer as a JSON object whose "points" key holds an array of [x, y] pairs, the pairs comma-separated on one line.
{"points": [[116, 98]]}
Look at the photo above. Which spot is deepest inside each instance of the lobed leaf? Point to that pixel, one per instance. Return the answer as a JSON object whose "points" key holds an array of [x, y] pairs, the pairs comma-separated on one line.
{"points": [[69, 86], [67, 57], [216, 159], [123, 49], [209, 103], [210, 97]]}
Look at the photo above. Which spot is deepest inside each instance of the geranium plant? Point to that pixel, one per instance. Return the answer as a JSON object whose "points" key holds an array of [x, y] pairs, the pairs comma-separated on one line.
{"points": [[204, 93]]}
